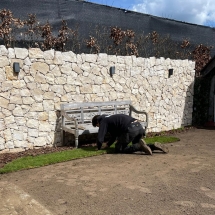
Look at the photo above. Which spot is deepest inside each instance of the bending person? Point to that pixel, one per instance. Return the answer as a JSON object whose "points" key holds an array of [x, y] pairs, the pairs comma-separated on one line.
{"points": [[124, 129]]}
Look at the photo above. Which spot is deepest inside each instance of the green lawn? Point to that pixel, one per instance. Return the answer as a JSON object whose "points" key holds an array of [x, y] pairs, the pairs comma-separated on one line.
{"points": [[57, 157]]}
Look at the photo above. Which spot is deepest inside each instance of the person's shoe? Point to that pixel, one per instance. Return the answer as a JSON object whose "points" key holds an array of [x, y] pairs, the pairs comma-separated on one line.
{"points": [[161, 147], [144, 147]]}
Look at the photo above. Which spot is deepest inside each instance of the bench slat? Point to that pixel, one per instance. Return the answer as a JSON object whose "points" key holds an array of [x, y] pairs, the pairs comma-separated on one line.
{"points": [[92, 104]]}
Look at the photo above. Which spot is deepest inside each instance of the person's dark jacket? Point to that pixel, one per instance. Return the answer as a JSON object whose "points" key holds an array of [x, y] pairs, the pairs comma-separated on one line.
{"points": [[115, 125]]}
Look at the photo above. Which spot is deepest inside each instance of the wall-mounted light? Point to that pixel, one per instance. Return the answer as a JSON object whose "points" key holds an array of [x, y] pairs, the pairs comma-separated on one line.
{"points": [[170, 72], [112, 70], [16, 67]]}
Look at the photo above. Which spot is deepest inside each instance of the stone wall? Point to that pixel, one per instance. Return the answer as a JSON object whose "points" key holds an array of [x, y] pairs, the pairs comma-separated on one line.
{"points": [[30, 100]]}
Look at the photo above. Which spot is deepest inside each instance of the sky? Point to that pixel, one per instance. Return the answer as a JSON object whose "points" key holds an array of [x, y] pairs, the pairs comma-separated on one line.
{"points": [[201, 12]]}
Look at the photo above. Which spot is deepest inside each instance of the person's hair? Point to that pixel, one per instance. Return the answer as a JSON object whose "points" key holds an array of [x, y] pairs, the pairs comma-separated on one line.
{"points": [[95, 120]]}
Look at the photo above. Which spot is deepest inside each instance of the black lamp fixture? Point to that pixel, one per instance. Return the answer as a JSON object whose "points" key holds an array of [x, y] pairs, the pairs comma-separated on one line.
{"points": [[112, 70], [16, 67], [170, 72]]}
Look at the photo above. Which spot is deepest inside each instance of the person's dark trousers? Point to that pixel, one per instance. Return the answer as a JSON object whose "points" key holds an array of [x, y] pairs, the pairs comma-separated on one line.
{"points": [[134, 134]]}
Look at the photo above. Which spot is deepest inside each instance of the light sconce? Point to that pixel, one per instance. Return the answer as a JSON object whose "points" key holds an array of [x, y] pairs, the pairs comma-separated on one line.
{"points": [[16, 67], [112, 70], [170, 72]]}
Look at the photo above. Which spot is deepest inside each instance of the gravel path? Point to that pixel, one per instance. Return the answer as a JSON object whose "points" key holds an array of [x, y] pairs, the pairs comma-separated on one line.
{"points": [[181, 182]]}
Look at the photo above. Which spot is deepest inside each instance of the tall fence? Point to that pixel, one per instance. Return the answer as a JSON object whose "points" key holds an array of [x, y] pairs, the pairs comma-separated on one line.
{"points": [[86, 17]]}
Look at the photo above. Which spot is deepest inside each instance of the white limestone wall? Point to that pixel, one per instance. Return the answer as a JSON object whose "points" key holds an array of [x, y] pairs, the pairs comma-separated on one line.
{"points": [[30, 99]]}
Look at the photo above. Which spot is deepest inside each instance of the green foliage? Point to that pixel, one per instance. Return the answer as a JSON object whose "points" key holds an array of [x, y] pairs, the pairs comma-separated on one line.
{"points": [[48, 159], [57, 157], [162, 139]]}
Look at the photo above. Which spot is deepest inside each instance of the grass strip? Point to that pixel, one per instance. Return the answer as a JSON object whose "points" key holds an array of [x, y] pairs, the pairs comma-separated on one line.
{"points": [[30, 162]]}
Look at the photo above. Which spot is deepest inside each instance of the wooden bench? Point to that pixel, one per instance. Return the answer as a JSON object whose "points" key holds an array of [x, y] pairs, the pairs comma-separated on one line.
{"points": [[76, 118]]}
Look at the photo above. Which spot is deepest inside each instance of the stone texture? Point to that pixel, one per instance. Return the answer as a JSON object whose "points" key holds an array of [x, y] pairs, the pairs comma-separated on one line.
{"points": [[39, 67], [58, 58], [29, 101], [10, 74], [4, 102], [49, 55], [32, 123], [4, 61], [2, 75], [3, 50], [18, 111], [35, 53], [91, 58], [21, 53], [40, 141], [17, 135]]}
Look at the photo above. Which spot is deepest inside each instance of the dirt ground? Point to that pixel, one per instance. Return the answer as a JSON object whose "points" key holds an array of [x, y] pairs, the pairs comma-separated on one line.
{"points": [[178, 183]]}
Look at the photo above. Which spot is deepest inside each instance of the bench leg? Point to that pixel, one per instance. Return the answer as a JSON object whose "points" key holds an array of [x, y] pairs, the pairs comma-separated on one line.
{"points": [[76, 142], [63, 137]]}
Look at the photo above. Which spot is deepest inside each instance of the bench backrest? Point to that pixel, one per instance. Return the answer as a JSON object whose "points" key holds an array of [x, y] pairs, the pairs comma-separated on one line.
{"points": [[84, 111]]}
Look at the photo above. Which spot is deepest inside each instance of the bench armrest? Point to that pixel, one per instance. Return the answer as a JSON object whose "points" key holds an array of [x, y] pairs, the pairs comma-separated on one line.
{"points": [[76, 126], [133, 109], [64, 114]]}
